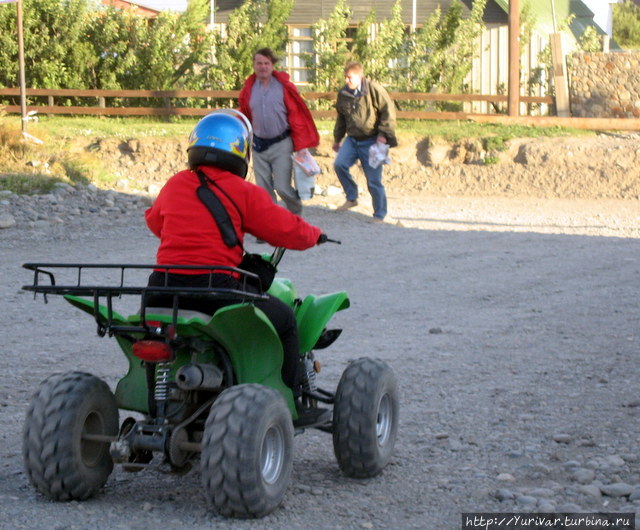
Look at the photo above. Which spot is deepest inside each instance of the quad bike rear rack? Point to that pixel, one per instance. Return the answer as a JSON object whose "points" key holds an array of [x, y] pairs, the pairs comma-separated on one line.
{"points": [[107, 322]]}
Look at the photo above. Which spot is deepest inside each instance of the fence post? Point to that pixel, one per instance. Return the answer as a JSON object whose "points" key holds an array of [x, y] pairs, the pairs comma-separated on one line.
{"points": [[167, 105]]}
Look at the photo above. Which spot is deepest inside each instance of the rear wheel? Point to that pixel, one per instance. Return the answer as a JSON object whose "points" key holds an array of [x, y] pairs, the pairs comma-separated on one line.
{"points": [[247, 451], [62, 457], [365, 418]]}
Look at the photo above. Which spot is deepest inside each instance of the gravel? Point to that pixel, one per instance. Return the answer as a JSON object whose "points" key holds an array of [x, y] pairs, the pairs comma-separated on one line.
{"points": [[512, 326]]}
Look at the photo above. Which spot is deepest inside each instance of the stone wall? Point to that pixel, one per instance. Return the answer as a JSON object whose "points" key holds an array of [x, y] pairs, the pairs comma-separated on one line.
{"points": [[605, 85]]}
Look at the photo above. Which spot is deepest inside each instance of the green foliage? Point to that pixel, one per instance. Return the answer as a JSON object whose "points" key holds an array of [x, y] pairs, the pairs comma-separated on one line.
{"points": [[440, 53], [626, 25], [254, 25], [455, 55], [379, 55], [57, 53], [331, 51], [590, 40]]}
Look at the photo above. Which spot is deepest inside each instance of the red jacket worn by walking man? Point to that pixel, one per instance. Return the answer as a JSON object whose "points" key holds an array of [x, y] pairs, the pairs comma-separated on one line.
{"points": [[303, 129]]}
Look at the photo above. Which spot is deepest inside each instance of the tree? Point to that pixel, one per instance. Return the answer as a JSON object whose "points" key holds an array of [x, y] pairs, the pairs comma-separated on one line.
{"points": [[440, 53], [254, 25], [57, 54], [456, 47], [330, 49], [626, 24], [380, 53]]}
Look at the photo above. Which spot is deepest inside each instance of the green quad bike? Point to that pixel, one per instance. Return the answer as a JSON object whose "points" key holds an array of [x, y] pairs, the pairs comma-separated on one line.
{"points": [[201, 386]]}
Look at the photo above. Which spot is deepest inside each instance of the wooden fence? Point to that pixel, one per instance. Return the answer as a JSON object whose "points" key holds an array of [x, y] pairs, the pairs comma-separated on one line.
{"points": [[170, 100]]}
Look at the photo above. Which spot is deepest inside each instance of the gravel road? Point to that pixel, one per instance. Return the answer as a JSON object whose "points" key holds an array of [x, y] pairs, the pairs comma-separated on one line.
{"points": [[512, 325]]}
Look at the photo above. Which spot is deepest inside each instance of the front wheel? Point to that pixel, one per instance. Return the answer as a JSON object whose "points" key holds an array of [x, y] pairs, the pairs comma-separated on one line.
{"points": [[365, 418], [62, 456], [247, 451]]}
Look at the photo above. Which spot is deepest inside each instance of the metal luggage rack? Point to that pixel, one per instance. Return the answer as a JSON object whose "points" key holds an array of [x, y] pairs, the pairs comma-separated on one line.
{"points": [[119, 288]]}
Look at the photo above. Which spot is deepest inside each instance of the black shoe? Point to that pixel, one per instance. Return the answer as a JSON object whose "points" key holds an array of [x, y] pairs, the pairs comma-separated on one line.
{"points": [[312, 417]]}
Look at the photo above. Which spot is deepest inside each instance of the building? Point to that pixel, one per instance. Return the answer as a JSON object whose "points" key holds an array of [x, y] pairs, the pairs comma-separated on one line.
{"points": [[141, 8]]}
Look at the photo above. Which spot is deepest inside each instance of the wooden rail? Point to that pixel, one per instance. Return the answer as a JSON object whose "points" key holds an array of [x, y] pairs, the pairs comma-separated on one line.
{"points": [[169, 109], [212, 100]]}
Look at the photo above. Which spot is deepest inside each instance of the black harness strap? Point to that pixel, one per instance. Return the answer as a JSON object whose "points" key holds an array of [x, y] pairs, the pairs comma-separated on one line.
{"points": [[218, 212]]}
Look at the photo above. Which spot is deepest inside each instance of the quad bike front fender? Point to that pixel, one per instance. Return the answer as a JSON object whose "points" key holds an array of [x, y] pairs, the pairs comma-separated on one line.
{"points": [[313, 315]]}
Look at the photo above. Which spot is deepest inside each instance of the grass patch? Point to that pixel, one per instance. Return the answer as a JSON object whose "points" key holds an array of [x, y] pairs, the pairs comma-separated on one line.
{"points": [[67, 127], [28, 184]]}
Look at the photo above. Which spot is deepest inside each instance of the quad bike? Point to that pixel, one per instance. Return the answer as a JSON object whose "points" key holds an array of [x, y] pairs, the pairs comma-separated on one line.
{"points": [[201, 386]]}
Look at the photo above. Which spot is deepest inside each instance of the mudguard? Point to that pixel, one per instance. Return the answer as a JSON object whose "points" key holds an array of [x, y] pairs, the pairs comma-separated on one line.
{"points": [[243, 330], [283, 289], [313, 315]]}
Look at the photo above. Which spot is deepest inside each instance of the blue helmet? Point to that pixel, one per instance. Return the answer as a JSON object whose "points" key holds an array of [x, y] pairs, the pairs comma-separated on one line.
{"points": [[222, 139]]}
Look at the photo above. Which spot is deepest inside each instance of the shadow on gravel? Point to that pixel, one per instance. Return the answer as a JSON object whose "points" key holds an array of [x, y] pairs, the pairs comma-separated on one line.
{"points": [[516, 355]]}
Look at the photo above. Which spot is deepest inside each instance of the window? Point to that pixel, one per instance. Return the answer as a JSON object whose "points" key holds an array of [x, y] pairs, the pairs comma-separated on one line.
{"points": [[300, 44]]}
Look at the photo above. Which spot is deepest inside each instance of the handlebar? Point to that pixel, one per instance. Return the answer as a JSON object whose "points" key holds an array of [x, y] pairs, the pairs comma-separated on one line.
{"points": [[278, 252]]}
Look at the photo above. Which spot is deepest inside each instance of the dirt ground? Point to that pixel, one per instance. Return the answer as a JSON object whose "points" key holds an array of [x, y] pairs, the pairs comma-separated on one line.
{"points": [[606, 166], [505, 300]]}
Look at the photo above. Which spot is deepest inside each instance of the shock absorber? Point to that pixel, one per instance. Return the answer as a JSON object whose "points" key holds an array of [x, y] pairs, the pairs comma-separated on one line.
{"points": [[309, 382], [161, 387]]}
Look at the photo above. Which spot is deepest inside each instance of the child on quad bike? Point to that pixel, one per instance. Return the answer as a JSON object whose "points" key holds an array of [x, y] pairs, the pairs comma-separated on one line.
{"points": [[218, 155]]}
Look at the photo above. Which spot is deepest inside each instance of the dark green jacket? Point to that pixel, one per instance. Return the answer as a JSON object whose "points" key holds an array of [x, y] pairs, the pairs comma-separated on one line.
{"points": [[371, 113]]}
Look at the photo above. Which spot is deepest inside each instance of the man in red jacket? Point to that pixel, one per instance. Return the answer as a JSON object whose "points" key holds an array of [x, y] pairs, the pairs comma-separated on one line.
{"points": [[282, 124], [219, 148]]}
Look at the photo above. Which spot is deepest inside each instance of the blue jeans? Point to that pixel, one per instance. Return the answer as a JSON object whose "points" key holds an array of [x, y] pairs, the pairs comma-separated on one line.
{"points": [[350, 152]]}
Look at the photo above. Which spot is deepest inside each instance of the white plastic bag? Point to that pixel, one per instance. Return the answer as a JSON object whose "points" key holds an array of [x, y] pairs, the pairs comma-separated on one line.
{"points": [[304, 184], [304, 159], [379, 154], [304, 169]]}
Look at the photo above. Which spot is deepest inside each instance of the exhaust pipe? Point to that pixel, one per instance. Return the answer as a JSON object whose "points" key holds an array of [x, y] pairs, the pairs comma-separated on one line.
{"points": [[199, 377]]}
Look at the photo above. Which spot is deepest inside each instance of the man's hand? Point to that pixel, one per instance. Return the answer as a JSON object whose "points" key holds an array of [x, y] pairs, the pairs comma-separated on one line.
{"points": [[381, 139], [336, 146]]}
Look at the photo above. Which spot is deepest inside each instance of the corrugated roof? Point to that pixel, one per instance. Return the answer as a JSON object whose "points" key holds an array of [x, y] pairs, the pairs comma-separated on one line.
{"points": [[310, 11]]}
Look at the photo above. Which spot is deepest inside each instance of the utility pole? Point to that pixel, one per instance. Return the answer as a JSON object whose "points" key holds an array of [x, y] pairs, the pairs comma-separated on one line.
{"points": [[514, 58], [21, 76], [23, 83], [413, 17]]}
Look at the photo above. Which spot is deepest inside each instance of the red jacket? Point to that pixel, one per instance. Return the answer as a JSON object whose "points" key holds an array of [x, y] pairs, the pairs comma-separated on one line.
{"points": [[189, 235], [303, 129]]}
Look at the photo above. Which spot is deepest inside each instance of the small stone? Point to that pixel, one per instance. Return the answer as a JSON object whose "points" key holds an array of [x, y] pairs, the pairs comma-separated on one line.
{"points": [[435, 331], [505, 477], [583, 476], [614, 460], [619, 489], [591, 490], [541, 492], [526, 501], [568, 507], [545, 506], [504, 495], [7, 220], [147, 507], [562, 438]]}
